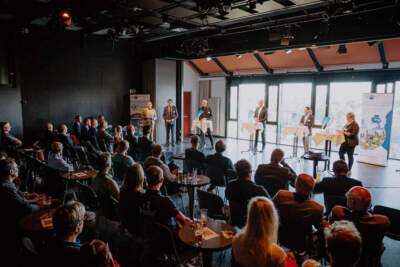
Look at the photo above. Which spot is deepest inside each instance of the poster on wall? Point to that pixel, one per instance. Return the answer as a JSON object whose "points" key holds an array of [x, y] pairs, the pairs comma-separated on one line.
{"points": [[375, 128], [137, 104]]}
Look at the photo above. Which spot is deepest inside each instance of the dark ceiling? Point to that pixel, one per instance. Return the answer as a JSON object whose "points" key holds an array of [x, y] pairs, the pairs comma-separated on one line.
{"points": [[197, 28]]}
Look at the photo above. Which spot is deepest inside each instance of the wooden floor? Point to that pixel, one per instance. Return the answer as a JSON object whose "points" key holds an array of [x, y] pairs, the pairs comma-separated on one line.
{"points": [[383, 182]]}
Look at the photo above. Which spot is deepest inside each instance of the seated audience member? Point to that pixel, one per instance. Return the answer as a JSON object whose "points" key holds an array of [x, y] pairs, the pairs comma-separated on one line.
{"points": [[256, 244], [93, 134], [276, 175], [132, 139], [66, 139], [103, 183], [7, 140], [311, 263], [85, 136], [343, 244], [144, 145], [240, 191], [121, 161], [130, 197], [193, 153], [155, 160], [219, 161], [371, 227], [49, 136], [13, 205], [101, 119], [3, 155], [97, 253], [55, 159], [104, 139], [297, 209], [76, 128], [118, 134]]}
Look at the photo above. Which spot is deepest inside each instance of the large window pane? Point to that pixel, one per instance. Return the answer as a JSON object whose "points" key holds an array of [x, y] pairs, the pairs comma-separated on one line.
{"points": [[233, 103], [346, 97], [271, 133], [249, 95], [320, 103], [389, 88], [395, 133], [232, 129], [380, 88], [293, 98], [272, 103]]}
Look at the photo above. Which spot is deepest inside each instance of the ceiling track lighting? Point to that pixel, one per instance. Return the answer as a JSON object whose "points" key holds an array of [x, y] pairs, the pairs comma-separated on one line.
{"points": [[66, 16], [208, 59], [342, 49], [238, 56]]}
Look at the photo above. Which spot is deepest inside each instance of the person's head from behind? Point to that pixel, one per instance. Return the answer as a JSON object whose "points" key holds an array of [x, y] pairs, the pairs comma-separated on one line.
{"points": [[97, 253], [68, 220], [220, 147], [307, 110], [56, 147], [8, 169], [105, 162], [261, 229], [204, 103], [5, 127], [277, 156], [134, 178], [194, 140], [304, 184], [3, 155], [78, 118], [149, 105], [350, 116], [311, 263], [343, 244], [358, 199], [87, 122], [243, 169], [94, 123], [49, 126], [154, 177], [340, 167], [122, 146], [156, 151], [63, 129]]}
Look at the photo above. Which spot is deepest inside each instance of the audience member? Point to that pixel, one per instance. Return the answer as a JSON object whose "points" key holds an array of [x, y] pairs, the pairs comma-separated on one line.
{"points": [[49, 136], [8, 141], [311, 263], [66, 139], [76, 128], [103, 183], [131, 195], [121, 161], [298, 213], [155, 160], [256, 244], [144, 145], [219, 161], [371, 227], [193, 153], [343, 244], [93, 134], [104, 139], [97, 253], [85, 136], [3, 155], [55, 159], [240, 191], [276, 175], [130, 136], [118, 134]]}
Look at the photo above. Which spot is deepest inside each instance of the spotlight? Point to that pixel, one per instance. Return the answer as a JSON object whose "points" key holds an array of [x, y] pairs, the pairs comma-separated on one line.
{"points": [[66, 16], [289, 51], [238, 56], [371, 44], [208, 59], [342, 49]]}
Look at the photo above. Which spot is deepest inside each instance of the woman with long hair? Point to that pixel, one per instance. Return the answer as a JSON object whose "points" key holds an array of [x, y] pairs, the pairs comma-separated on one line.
{"points": [[256, 244]]}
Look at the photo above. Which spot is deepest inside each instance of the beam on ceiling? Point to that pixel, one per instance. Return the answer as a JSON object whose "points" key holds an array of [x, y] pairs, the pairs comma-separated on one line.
{"points": [[285, 3], [263, 64], [199, 71], [221, 66], [315, 60], [173, 4], [382, 55]]}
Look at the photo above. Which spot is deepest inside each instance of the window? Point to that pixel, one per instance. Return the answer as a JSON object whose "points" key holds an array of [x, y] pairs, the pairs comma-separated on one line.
{"points": [[380, 88], [233, 103], [232, 129], [293, 98], [272, 103], [270, 134], [389, 88], [395, 132], [320, 103]]}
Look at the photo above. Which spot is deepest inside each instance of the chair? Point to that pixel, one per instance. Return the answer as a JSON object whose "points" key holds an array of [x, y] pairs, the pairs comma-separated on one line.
{"points": [[332, 201], [213, 203], [394, 217], [28, 255], [189, 165], [85, 194], [217, 175], [271, 183]]}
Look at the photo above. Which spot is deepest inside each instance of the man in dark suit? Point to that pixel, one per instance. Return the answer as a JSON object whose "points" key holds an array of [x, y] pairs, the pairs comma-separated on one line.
{"points": [[193, 153], [240, 191], [105, 140], [350, 133], [307, 120], [76, 128], [260, 115], [85, 136], [205, 115], [170, 115], [276, 175]]}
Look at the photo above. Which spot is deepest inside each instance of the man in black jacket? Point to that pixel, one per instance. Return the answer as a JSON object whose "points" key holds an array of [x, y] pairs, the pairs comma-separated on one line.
{"points": [[105, 140], [76, 128], [260, 115]]}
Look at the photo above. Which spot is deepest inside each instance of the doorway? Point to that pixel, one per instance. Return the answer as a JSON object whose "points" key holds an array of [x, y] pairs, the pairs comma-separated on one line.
{"points": [[187, 113]]}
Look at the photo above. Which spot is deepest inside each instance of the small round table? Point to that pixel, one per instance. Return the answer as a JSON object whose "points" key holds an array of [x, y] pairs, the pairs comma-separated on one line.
{"points": [[315, 160], [80, 175], [192, 183], [32, 222], [207, 247], [179, 156]]}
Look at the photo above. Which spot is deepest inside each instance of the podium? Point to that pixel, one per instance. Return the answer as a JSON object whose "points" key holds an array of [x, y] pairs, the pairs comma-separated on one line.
{"points": [[251, 128], [296, 131], [202, 125], [328, 136]]}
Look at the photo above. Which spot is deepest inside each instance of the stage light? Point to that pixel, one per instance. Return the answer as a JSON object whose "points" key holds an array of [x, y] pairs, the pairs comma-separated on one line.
{"points": [[289, 51], [66, 16], [208, 59], [238, 56], [342, 49]]}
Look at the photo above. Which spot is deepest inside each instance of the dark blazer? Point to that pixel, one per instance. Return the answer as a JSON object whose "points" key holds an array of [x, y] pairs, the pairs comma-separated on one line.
{"points": [[174, 114], [66, 140], [206, 114], [263, 114], [195, 155], [85, 135], [352, 139], [76, 130], [105, 141], [336, 185], [93, 137], [309, 122], [220, 161], [274, 177]]}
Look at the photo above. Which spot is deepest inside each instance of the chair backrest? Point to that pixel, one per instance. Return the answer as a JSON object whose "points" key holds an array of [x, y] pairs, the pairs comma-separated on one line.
{"points": [[333, 200], [295, 236], [271, 183], [394, 217], [85, 194], [217, 175], [212, 202], [238, 213], [189, 165]]}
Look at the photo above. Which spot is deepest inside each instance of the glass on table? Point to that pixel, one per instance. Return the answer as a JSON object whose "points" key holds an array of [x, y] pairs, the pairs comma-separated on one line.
{"points": [[203, 216], [198, 233]]}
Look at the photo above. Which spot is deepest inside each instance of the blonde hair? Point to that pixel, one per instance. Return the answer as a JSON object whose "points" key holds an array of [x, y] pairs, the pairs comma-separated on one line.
{"points": [[134, 178], [67, 217], [261, 229]]}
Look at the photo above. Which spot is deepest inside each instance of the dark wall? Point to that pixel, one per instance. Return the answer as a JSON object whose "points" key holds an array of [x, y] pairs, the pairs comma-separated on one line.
{"points": [[10, 109], [64, 74]]}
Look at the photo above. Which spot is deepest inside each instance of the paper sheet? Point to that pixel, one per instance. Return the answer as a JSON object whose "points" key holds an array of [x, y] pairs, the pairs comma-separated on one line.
{"points": [[209, 234]]}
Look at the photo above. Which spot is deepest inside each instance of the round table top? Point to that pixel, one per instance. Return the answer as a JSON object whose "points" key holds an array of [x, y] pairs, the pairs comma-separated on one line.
{"points": [[80, 175], [309, 157], [33, 221], [179, 156], [186, 235], [201, 180]]}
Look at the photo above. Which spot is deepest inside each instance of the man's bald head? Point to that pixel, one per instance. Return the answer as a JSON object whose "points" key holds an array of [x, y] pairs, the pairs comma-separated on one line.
{"points": [[304, 184], [358, 198]]}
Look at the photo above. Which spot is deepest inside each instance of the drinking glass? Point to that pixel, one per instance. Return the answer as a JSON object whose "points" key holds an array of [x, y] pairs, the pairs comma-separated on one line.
{"points": [[203, 216]]}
